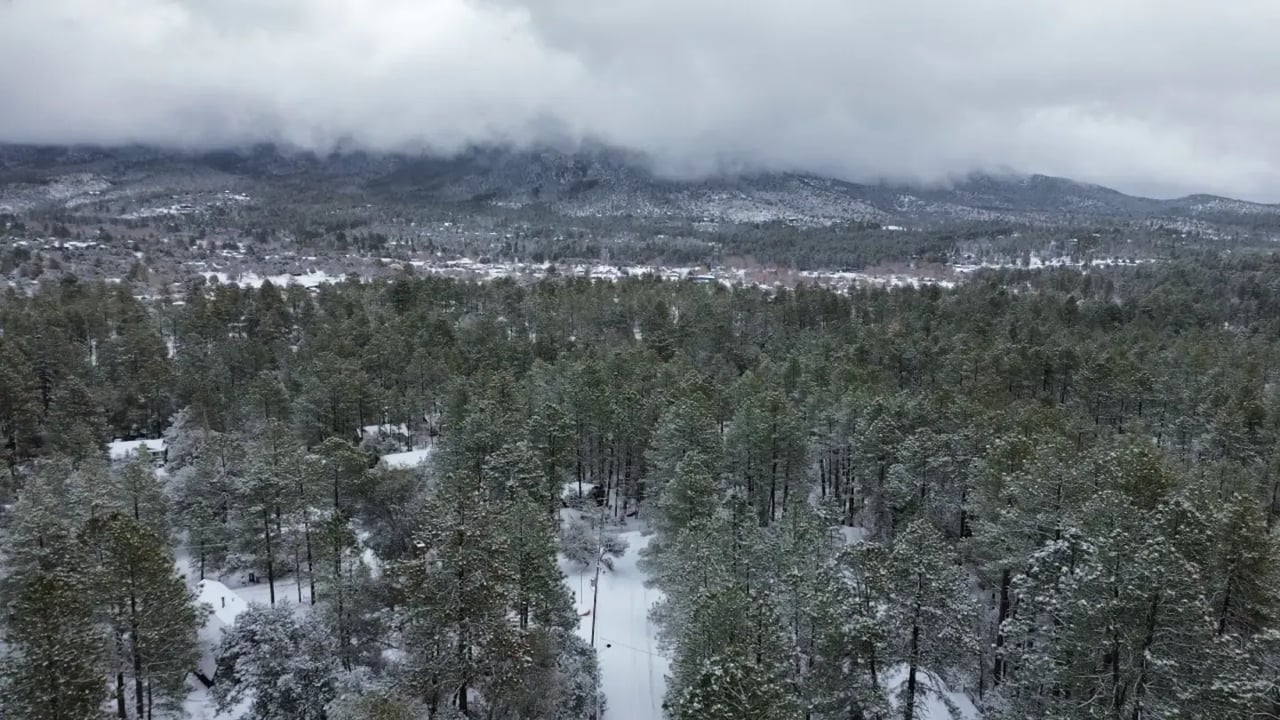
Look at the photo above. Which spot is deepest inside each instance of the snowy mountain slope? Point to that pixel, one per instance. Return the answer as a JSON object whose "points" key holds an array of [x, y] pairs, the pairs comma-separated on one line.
{"points": [[587, 181]]}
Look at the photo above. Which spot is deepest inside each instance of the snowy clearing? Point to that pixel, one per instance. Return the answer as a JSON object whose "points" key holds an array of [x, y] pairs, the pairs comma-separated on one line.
{"points": [[937, 696], [406, 460]]}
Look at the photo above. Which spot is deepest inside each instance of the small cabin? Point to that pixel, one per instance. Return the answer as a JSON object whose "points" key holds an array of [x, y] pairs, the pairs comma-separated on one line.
{"points": [[122, 451]]}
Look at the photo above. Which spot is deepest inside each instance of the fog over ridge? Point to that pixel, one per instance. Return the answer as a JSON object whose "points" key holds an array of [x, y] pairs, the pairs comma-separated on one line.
{"points": [[1149, 96]]}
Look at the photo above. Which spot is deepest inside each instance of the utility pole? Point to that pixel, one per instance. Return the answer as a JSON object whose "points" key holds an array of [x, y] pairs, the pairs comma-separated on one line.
{"points": [[595, 594], [595, 584]]}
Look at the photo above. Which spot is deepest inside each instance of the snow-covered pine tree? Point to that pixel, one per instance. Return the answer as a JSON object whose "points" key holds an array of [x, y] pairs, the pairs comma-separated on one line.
{"points": [[74, 426], [286, 668], [578, 678], [376, 703], [540, 597], [730, 661], [511, 472], [686, 426], [550, 435], [811, 599], [272, 462], [149, 611], [53, 667], [205, 499], [850, 642], [59, 498], [20, 408], [765, 448], [690, 495], [931, 614], [140, 495], [348, 603], [456, 596]]}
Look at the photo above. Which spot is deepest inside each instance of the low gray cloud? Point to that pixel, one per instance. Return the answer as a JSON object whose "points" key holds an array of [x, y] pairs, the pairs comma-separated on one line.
{"points": [[1151, 96]]}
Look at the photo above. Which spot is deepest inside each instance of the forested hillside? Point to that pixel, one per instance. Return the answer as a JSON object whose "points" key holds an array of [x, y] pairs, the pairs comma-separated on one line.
{"points": [[1051, 492]]}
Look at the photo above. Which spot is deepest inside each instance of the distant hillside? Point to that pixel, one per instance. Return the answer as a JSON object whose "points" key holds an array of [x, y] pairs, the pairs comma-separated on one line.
{"points": [[593, 182]]}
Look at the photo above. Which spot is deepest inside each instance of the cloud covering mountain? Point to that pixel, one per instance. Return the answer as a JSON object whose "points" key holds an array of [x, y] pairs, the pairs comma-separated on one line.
{"points": [[1152, 96]]}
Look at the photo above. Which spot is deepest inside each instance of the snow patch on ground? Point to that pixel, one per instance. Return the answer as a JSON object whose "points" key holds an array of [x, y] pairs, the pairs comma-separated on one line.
{"points": [[853, 535], [937, 696], [311, 279], [570, 490], [387, 430], [287, 593], [406, 460]]}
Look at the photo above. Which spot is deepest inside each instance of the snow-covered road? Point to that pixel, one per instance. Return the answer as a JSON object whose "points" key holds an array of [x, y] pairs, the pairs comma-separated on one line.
{"points": [[633, 673]]}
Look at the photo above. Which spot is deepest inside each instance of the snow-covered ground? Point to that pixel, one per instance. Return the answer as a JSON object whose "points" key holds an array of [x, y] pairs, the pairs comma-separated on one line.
{"points": [[287, 593], [937, 696], [406, 460], [384, 430], [633, 674], [312, 278]]}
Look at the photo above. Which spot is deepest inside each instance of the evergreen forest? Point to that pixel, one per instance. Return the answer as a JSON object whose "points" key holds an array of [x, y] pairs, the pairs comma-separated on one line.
{"points": [[1047, 493]]}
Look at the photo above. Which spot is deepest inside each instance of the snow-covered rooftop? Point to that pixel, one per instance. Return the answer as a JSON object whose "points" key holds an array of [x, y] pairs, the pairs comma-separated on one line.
{"points": [[227, 606], [127, 449]]}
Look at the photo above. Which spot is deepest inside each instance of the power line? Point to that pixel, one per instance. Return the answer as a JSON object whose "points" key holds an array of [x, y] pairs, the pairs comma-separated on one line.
{"points": [[610, 643]]}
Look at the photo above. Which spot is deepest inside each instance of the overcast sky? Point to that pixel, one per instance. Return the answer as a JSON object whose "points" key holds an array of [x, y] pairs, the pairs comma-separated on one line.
{"points": [[1157, 97]]}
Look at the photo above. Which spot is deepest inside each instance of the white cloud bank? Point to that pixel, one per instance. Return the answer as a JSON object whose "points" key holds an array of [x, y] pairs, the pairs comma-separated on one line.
{"points": [[1151, 96]]}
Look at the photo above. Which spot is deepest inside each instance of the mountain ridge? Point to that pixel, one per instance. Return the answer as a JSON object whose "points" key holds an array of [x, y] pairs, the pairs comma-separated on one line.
{"points": [[600, 181]]}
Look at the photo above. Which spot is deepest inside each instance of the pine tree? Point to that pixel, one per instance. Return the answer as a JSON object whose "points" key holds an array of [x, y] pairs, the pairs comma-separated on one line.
{"points": [[53, 667], [376, 704], [540, 597], [457, 595], [56, 650], [286, 667], [729, 661], [689, 496], [550, 434], [729, 688], [75, 426], [850, 642], [346, 593], [930, 612], [150, 612], [19, 407], [58, 499], [263, 493], [206, 496], [578, 676], [686, 426], [140, 495], [1246, 595], [765, 449]]}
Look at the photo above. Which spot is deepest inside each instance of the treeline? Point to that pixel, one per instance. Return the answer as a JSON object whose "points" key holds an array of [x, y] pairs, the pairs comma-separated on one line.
{"points": [[1054, 491]]}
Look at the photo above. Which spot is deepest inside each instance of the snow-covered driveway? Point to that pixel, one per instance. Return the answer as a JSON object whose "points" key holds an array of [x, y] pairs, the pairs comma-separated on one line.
{"points": [[633, 674]]}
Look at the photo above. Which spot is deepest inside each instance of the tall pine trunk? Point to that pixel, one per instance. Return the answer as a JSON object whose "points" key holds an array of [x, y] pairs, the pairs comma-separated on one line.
{"points": [[913, 657], [139, 697], [998, 669], [271, 567]]}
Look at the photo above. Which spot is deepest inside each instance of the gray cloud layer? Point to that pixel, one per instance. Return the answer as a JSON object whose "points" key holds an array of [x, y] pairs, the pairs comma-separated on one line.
{"points": [[1154, 96]]}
